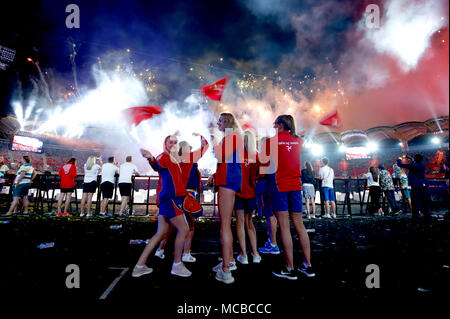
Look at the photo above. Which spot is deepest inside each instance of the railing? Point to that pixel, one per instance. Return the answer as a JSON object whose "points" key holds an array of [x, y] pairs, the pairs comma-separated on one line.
{"points": [[349, 194]]}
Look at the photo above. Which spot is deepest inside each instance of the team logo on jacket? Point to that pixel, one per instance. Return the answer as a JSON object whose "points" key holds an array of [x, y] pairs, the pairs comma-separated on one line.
{"points": [[289, 147]]}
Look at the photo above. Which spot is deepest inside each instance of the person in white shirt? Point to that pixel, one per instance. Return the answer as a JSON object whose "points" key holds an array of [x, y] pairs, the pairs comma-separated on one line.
{"points": [[3, 170], [22, 184], [326, 174], [127, 170], [109, 172], [374, 191], [91, 170]]}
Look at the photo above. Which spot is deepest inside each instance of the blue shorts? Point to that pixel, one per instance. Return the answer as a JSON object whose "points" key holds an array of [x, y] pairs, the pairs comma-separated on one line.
{"points": [[21, 190], [172, 207], [406, 192], [328, 194], [264, 205], [287, 201], [248, 205]]}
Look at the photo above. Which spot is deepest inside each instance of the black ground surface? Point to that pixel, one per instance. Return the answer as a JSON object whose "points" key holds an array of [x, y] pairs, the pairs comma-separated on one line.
{"points": [[413, 262]]}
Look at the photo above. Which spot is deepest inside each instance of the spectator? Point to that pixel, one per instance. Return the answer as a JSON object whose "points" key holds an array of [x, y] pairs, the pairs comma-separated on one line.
{"points": [[374, 191], [402, 178], [68, 173], [109, 172], [308, 178], [22, 184], [91, 170], [387, 187], [326, 174], [3, 170], [126, 170], [420, 194]]}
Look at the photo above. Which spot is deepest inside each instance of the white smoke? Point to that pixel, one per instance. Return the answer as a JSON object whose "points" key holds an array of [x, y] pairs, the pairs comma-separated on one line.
{"points": [[406, 28]]}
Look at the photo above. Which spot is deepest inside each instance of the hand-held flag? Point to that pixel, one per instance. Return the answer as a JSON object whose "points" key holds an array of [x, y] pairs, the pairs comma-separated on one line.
{"points": [[135, 115], [331, 120], [215, 91]]}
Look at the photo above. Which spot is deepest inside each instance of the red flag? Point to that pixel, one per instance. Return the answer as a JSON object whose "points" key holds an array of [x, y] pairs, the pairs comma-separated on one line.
{"points": [[248, 126], [215, 91], [137, 114], [331, 120]]}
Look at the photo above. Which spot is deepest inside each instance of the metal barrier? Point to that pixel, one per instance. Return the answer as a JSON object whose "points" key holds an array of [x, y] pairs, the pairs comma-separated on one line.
{"points": [[348, 193]]}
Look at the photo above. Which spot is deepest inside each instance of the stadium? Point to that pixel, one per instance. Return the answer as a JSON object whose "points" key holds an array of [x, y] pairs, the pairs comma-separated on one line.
{"points": [[225, 158]]}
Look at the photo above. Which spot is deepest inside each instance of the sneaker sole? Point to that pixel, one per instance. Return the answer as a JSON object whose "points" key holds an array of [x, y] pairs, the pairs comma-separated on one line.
{"points": [[305, 273], [180, 275], [284, 276], [139, 275], [226, 281], [188, 261]]}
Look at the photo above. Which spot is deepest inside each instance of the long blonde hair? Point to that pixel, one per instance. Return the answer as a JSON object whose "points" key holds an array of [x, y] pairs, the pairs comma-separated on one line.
{"points": [[90, 162], [250, 142], [232, 122]]}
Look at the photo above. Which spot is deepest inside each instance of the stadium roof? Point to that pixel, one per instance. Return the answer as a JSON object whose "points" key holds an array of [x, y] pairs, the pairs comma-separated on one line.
{"points": [[403, 132]]}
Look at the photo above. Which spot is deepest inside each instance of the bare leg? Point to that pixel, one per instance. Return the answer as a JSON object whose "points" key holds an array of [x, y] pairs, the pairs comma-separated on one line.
{"points": [[13, 206], [333, 207], [25, 204], [123, 205], [327, 207], [240, 231], [307, 207], [226, 206], [68, 198], [83, 202], [272, 220], [188, 242], [89, 202], [313, 203], [166, 236], [60, 200], [251, 231], [180, 223], [302, 236], [286, 238], [163, 226], [103, 205]]}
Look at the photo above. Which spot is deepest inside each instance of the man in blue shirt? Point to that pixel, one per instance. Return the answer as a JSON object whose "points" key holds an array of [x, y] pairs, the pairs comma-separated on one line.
{"points": [[420, 194]]}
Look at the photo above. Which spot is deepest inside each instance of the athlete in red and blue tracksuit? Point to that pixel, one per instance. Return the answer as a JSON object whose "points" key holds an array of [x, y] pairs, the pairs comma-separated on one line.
{"points": [[172, 197], [192, 180], [171, 190], [245, 206], [229, 167]]}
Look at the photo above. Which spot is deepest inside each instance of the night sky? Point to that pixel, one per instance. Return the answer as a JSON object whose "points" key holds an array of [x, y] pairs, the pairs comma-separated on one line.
{"points": [[315, 41]]}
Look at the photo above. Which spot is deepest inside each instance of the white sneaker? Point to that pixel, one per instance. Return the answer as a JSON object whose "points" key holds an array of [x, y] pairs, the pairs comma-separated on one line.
{"points": [[334, 216], [88, 215], [219, 266], [160, 253], [327, 216], [256, 258], [188, 258], [82, 214], [243, 259], [140, 271], [180, 270], [224, 277]]}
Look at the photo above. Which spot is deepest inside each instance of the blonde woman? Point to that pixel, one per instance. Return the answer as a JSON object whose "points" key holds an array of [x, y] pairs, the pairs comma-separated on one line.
{"points": [[91, 170], [245, 201], [228, 181]]}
